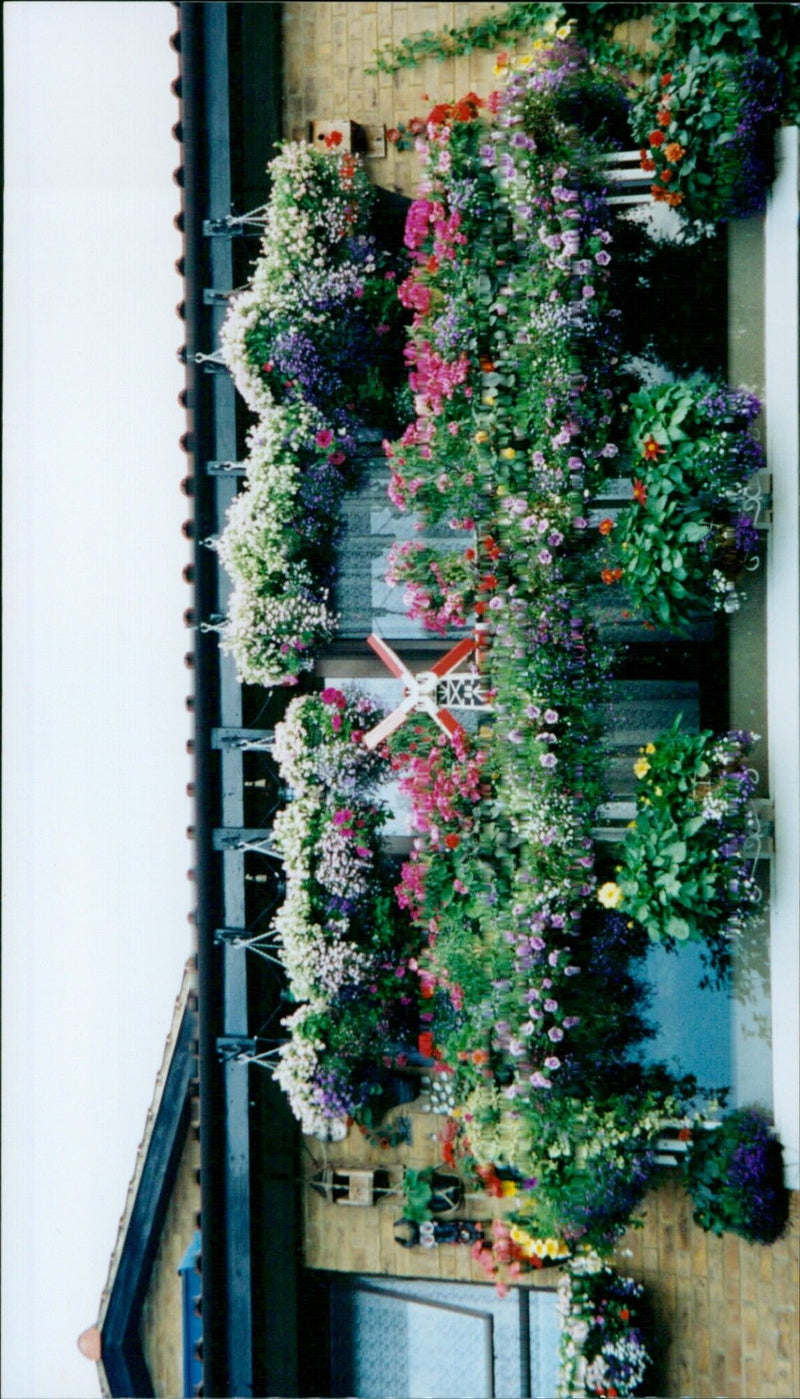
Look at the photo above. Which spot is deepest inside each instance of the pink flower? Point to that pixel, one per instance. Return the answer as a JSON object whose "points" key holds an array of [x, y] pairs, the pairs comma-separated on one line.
{"points": [[324, 437]]}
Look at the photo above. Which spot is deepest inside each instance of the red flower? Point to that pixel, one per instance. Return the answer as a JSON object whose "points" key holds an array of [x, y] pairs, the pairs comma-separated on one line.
{"points": [[425, 1043], [666, 176], [685, 1134], [663, 116], [611, 575], [452, 841], [652, 450], [656, 138], [666, 79], [439, 115], [639, 491], [392, 134], [488, 583], [334, 138], [606, 526]]}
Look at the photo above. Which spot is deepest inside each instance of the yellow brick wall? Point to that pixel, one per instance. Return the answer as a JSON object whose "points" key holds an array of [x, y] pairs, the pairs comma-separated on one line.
{"points": [[726, 1312], [328, 45], [162, 1318]]}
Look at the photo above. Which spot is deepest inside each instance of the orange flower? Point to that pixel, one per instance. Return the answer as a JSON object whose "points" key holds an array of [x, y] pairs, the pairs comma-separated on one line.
{"points": [[651, 449], [663, 116], [479, 1056], [666, 176], [432, 265], [673, 197], [647, 165], [487, 365], [605, 526], [611, 575], [674, 151], [639, 491]]}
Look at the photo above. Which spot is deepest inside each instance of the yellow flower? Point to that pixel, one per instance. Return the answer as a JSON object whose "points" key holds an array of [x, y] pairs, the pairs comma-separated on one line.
{"points": [[481, 436], [610, 895], [565, 31], [489, 399], [554, 1248], [641, 767], [631, 825], [508, 453], [650, 748], [525, 59], [501, 490], [508, 1187], [659, 791]]}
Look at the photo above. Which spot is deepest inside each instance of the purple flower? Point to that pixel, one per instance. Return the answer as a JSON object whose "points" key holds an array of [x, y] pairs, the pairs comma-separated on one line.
{"points": [[539, 1081], [555, 1033], [548, 760]]}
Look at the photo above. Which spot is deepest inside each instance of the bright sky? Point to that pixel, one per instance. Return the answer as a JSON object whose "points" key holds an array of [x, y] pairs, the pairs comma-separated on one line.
{"points": [[95, 855]]}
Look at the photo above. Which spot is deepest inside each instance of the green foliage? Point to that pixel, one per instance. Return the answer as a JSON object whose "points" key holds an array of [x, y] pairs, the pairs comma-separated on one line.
{"points": [[683, 873], [513, 22]]}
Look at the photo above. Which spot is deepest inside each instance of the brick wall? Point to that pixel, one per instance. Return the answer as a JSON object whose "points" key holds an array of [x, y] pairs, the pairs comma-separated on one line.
{"points": [[162, 1316], [328, 45], [725, 1312]]}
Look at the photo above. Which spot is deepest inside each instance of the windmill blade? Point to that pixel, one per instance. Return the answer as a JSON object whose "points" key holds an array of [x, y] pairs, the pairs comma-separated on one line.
{"points": [[456, 654], [446, 721], [442, 716], [389, 658], [388, 725]]}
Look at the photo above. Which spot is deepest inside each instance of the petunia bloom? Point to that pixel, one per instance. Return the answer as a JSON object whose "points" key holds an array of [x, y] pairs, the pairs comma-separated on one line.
{"points": [[610, 895]]}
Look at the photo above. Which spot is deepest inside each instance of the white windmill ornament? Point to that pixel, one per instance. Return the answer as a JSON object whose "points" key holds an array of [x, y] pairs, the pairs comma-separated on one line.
{"points": [[430, 691]]}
